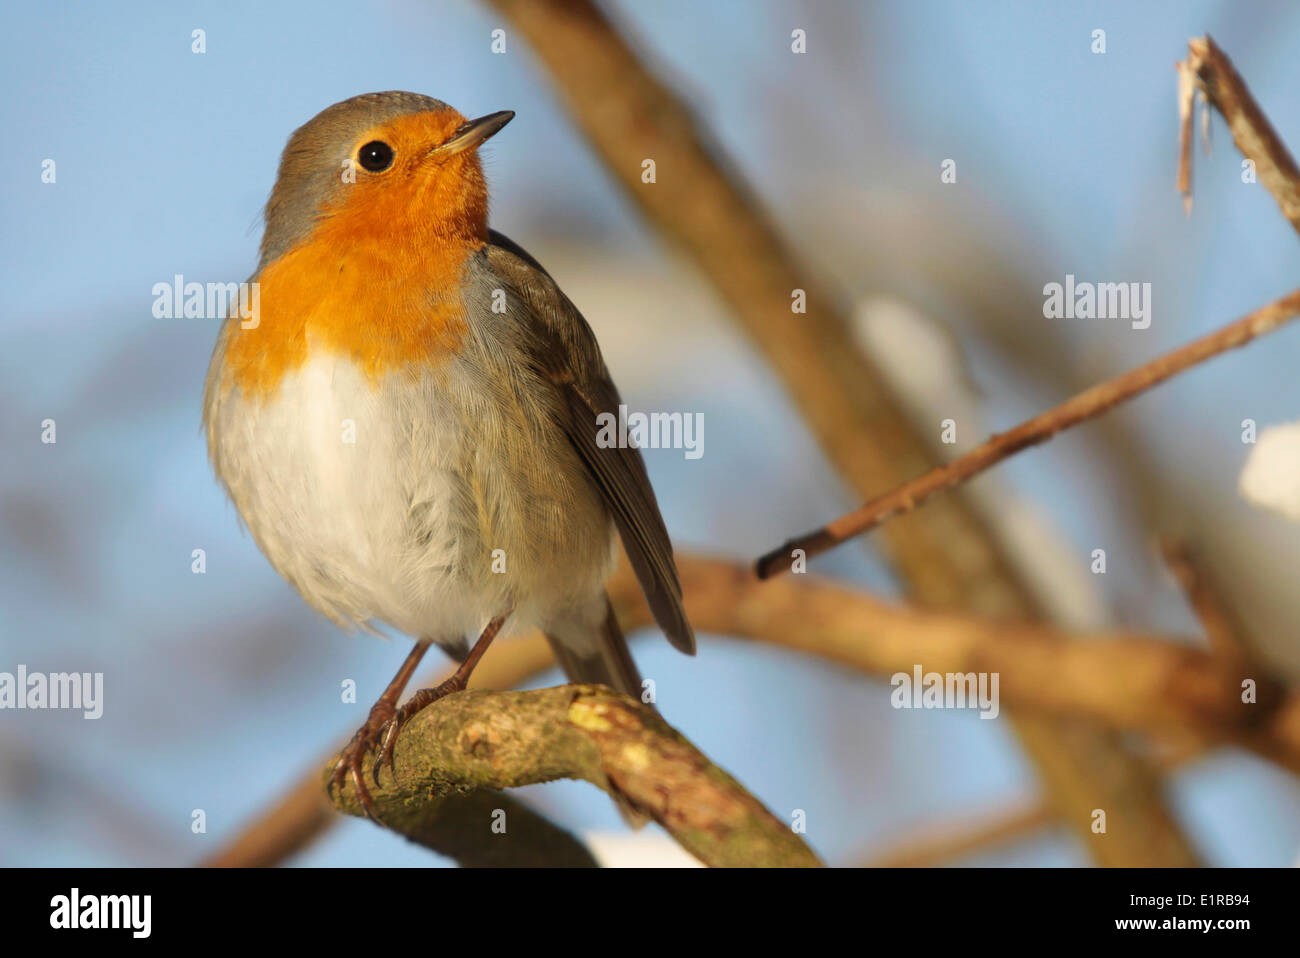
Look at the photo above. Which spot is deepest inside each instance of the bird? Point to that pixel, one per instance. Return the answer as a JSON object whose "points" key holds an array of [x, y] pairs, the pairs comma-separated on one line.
{"points": [[409, 425]]}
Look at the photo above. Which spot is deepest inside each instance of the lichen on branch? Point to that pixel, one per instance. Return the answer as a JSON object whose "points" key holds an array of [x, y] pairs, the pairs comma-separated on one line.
{"points": [[480, 742]]}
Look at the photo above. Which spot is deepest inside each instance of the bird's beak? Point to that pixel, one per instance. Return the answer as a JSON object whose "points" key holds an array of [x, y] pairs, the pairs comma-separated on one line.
{"points": [[473, 134]]}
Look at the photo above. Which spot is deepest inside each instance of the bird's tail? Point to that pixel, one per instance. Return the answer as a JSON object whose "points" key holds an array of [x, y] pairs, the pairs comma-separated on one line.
{"points": [[592, 649], [602, 658]]}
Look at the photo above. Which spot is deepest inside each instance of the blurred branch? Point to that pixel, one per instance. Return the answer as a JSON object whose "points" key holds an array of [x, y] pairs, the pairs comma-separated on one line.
{"points": [[458, 825], [455, 825], [1127, 680], [291, 825], [492, 740], [1080, 408], [1254, 135], [942, 842], [1223, 629], [945, 555]]}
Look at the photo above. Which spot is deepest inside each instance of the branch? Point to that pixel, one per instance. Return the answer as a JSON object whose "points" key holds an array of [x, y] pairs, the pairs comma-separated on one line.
{"points": [[292, 824], [945, 556], [1125, 680], [940, 843], [1186, 105], [1218, 79], [492, 740], [845, 625], [1086, 405], [303, 814], [1223, 629]]}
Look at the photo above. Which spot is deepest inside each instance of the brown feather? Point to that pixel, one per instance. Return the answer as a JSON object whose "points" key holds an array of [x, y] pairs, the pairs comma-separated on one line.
{"points": [[565, 350]]}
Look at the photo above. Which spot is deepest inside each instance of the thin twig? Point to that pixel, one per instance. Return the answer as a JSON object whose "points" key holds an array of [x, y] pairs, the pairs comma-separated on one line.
{"points": [[1186, 95], [1254, 135], [1086, 405]]}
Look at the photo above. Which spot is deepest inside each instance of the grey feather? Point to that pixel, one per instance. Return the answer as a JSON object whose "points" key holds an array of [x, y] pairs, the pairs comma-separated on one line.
{"points": [[607, 662]]}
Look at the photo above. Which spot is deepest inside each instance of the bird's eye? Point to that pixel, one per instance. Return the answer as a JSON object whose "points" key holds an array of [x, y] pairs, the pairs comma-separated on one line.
{"points": [[376, 156]]}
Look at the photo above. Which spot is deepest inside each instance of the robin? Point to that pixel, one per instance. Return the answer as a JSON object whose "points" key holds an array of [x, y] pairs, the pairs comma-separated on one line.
{"points": [[409, 427]]}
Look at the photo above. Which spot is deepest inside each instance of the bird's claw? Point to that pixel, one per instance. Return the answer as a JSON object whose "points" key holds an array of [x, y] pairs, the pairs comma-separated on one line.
{"points": [[380, 733], [350, 762], [384, 754]]}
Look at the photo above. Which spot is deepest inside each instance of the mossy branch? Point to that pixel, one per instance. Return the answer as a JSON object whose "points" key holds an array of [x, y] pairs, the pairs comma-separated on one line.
{"points": [[476, 742]]}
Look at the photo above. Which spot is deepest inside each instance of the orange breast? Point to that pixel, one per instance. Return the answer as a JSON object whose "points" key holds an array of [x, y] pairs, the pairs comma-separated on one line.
{"points": [[361, 287]]}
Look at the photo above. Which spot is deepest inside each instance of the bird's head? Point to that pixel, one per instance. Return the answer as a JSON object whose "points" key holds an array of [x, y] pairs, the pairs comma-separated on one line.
{"points": [[382, 166]]}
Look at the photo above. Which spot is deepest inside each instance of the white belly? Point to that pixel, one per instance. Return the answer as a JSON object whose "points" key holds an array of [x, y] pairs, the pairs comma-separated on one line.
{"points": [[427, 505]]}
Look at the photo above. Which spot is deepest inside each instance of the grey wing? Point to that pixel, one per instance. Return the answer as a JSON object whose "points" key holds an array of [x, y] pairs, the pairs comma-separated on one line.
{"points": [[563, 349]]}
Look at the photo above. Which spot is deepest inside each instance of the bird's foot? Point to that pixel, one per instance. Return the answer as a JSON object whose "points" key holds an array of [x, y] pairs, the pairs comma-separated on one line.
{"points": [[416, 703], [351, 758]]}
